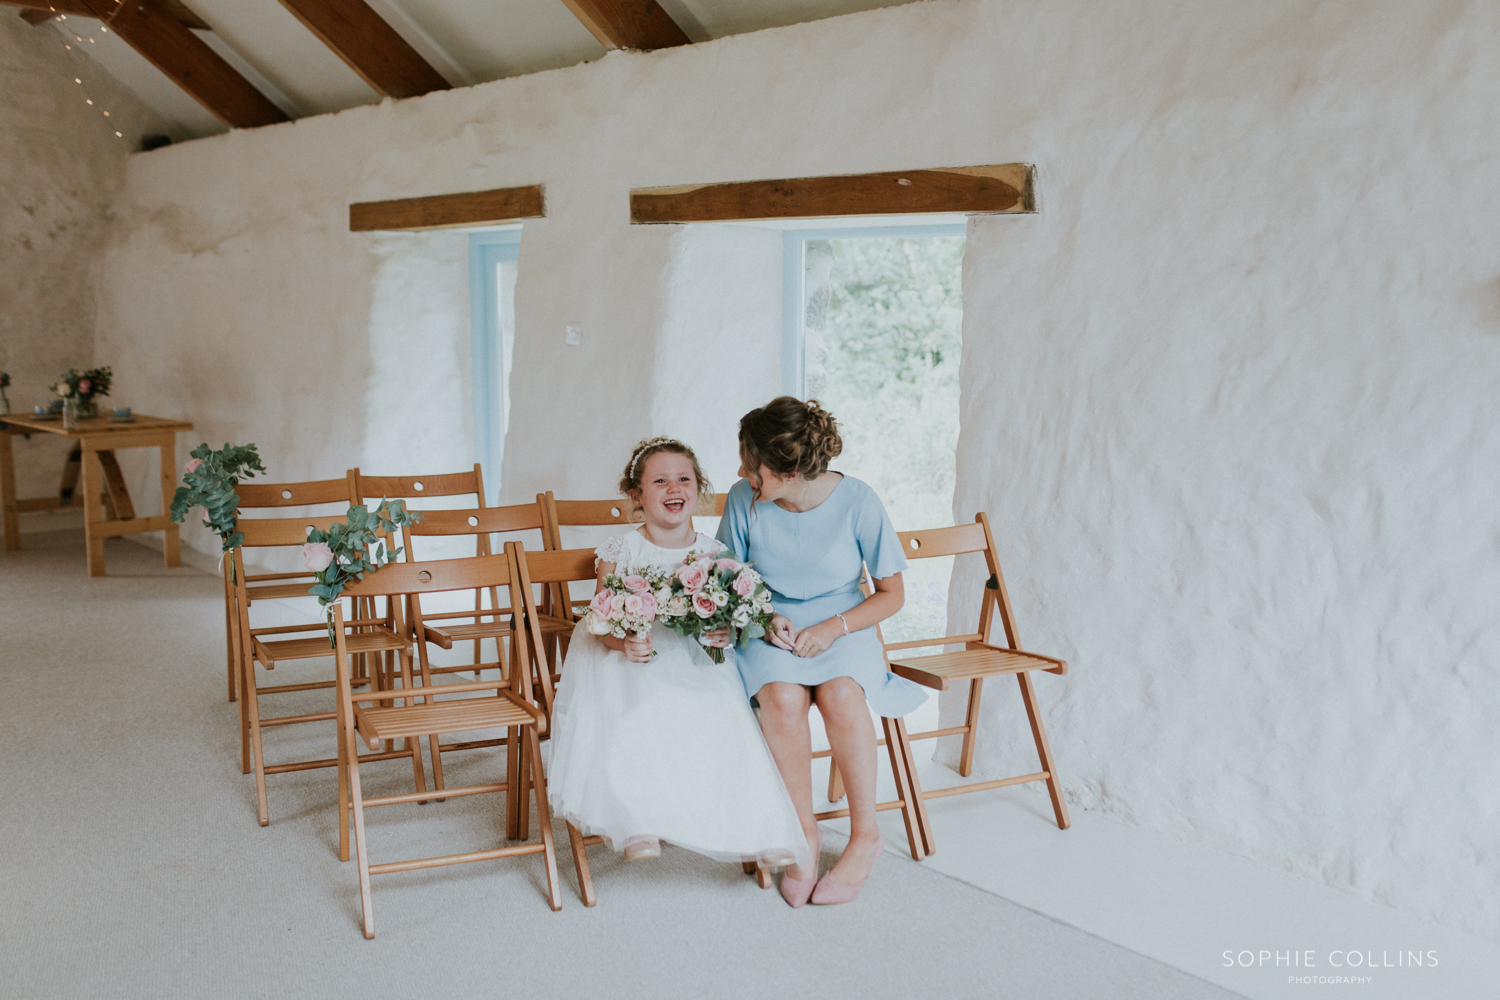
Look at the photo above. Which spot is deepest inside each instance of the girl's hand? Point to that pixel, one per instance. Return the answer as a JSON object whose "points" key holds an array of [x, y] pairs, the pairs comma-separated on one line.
{"points": [[638, 648], [783, 633], [717, 637], [817, 638]]}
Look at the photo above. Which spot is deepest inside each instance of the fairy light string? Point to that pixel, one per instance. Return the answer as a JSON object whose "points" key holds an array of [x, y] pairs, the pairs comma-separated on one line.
{"points": [[69, 25]]}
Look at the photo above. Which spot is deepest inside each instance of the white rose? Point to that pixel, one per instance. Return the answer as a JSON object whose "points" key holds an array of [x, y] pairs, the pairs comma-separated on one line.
{"points": [[741, 617], [596, 625]]}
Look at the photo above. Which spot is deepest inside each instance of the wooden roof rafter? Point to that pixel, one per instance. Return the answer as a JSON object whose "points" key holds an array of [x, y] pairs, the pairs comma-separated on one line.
{"points": [[629, 24], [368, 45]]}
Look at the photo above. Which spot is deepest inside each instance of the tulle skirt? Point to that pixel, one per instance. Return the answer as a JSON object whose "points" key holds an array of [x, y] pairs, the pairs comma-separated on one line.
{"points": [[668, 749]]}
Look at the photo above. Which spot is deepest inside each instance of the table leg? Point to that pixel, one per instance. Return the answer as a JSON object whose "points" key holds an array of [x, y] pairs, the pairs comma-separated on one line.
{"points": [[93, 513], [171, 543], [12, 523]]}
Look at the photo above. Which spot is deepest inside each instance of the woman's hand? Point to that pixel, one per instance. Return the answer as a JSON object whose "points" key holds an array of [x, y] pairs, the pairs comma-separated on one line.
{"points": [[817, 638], [783, 633], [717, 637], [638, 647]]}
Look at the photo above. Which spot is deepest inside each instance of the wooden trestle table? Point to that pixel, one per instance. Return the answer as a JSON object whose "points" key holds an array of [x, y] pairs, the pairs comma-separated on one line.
{"points": [[98, 440]]}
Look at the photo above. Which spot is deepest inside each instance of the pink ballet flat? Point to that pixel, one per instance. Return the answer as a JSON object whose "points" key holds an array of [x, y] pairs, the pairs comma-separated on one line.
{"points": [[831, 893], [797, 890]]}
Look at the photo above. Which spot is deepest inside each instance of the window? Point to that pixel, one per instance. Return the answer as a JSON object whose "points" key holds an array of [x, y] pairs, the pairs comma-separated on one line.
{"points": [[492, 337]]}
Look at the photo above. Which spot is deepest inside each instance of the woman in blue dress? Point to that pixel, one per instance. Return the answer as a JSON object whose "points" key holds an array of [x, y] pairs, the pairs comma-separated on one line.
{"points": [[809, 532]]}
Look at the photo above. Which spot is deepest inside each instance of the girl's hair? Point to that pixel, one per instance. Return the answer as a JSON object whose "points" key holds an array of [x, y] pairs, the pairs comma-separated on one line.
{"points": [[789, 436], [636, 468]]}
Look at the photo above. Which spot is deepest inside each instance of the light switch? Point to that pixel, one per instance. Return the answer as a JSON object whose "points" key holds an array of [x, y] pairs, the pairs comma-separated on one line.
{"points": [[575, 334]]}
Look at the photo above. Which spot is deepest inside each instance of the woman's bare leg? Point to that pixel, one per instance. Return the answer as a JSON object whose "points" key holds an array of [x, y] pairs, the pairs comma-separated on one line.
{"points": [[851, 736], [783, 719]]}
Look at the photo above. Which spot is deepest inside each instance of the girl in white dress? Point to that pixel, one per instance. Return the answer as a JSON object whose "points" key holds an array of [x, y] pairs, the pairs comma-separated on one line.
{"points": [[666, 747]]}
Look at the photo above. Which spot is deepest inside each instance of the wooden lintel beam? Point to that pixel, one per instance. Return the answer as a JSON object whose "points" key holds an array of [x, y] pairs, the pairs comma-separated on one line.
{"points": [[628, 24], [170, 46], [37, 11], [369, 46], [445, 211], [1002, 188]]}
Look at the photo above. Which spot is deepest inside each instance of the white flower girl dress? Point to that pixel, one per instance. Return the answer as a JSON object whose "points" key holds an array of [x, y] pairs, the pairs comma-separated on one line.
{"points": [[670, 748]]}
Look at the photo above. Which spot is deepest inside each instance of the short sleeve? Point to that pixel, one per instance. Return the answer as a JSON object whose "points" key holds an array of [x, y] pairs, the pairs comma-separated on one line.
{"points": [[734, 526], [879, 545], [614, 549]]}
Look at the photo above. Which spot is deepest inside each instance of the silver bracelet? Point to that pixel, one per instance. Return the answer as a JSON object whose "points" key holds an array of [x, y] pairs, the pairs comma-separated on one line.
{"points": [[842, 621]]}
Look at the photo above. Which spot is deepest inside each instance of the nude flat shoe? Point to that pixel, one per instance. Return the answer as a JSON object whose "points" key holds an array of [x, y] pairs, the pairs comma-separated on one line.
{"points": [[796, 891], [641, 848], [831, 893]]}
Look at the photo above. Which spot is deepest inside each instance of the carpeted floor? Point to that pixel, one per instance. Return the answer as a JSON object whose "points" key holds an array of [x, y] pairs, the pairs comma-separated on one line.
{"points": [[134, 867]]}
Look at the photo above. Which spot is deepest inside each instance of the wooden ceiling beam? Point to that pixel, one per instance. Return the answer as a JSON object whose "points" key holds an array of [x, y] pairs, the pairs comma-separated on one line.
{"points": [[1004, 188], [37, 11], [628, 24], [148, 27], [369, 46], [445, 211]]}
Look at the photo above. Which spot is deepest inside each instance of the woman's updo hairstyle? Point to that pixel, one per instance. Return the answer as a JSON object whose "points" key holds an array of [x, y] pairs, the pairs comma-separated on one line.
{"points": [[789, 436], [636, 468]]}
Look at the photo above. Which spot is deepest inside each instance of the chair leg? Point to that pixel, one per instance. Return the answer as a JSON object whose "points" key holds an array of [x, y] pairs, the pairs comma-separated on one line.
{"points": [[835, 782], [581, 865], [895, 740], [367, 904], [523, 805], [1043, 749], [762, 876], [748, 866], [543, 815], [513, 789], [413, 744], [251, 695], [344, 795], [971, 719], [232, 666]]}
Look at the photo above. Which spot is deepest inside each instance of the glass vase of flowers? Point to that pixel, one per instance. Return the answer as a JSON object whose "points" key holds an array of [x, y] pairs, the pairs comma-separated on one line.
{"points": [[84, 386]]}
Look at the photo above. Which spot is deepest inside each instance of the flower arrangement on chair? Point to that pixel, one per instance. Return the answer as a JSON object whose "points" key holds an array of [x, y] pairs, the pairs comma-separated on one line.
{"points": [[83, 386], [352, 548], [211, 477]]}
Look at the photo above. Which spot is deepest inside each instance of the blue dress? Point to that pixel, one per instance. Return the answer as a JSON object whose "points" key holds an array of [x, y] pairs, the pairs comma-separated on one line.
{"points": [[811, 561]]}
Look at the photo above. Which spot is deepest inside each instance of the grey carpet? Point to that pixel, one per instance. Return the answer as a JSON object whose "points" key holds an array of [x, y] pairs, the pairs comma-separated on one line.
{"points": [[134, 867]]}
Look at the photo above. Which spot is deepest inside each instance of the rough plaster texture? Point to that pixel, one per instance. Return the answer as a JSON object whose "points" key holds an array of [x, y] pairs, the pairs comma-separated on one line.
{"points": [[1226, 397], [63, 166]]}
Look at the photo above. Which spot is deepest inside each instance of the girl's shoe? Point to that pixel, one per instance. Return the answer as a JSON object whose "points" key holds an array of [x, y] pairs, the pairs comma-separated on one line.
{"points": [[831, 893], [641, 848], [797, 890]]}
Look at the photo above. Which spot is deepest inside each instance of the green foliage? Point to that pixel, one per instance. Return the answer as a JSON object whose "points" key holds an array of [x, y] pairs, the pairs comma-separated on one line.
{"points": [[211, 478], [357, 546]]}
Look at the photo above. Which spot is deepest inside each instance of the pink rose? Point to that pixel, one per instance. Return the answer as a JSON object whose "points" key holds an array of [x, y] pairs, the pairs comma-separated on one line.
{"points": [[633, 604], [692, 577], [636, 583], [704, 606], [317, 556], [744, 584], [726, 564], [600, 604], [648, 605], [84, 385], [192, 466], [616, 605]]}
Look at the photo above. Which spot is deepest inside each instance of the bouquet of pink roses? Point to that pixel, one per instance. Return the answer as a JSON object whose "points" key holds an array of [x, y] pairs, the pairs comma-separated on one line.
{"points": [[627, 603], [711, 591]]}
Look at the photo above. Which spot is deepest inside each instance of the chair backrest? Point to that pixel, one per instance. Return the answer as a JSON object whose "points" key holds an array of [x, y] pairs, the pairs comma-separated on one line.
{"points": [[267, 532], [477, 521], [409, 488], [581, 513], [552, 569], [255, 496], [960, 539]]}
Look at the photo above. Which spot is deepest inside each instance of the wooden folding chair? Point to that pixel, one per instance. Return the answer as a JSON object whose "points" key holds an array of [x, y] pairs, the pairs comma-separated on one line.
{"points": [[373, 718], [549, 570], [977, 660], [255, 645], [495, 622], [267, 496]]}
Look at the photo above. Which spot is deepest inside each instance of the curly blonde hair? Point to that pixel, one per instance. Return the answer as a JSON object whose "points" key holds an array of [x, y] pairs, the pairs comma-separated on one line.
{"points": [[789, 437], [630, 482]]}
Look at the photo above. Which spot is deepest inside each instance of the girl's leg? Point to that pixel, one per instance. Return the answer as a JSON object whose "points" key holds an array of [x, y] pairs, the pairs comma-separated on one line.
{"points": [[852, 739], [783, 719]]}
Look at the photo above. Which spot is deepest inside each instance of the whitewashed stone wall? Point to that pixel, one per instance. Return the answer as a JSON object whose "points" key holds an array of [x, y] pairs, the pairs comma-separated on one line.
{"points": [[1228, 398]]}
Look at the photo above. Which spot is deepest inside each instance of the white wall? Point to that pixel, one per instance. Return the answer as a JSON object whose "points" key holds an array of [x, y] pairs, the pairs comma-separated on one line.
{"points": [[1226, 397], [63, 166]]}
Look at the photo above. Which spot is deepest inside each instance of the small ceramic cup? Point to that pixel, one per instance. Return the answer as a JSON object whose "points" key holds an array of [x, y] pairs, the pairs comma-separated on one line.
{"points": [[41, 411], [122, 413]]}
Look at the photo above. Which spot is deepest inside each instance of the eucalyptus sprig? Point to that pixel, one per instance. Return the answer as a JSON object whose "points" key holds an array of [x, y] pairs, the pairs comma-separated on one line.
{"points": [[210, 478], [353, 547]]}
